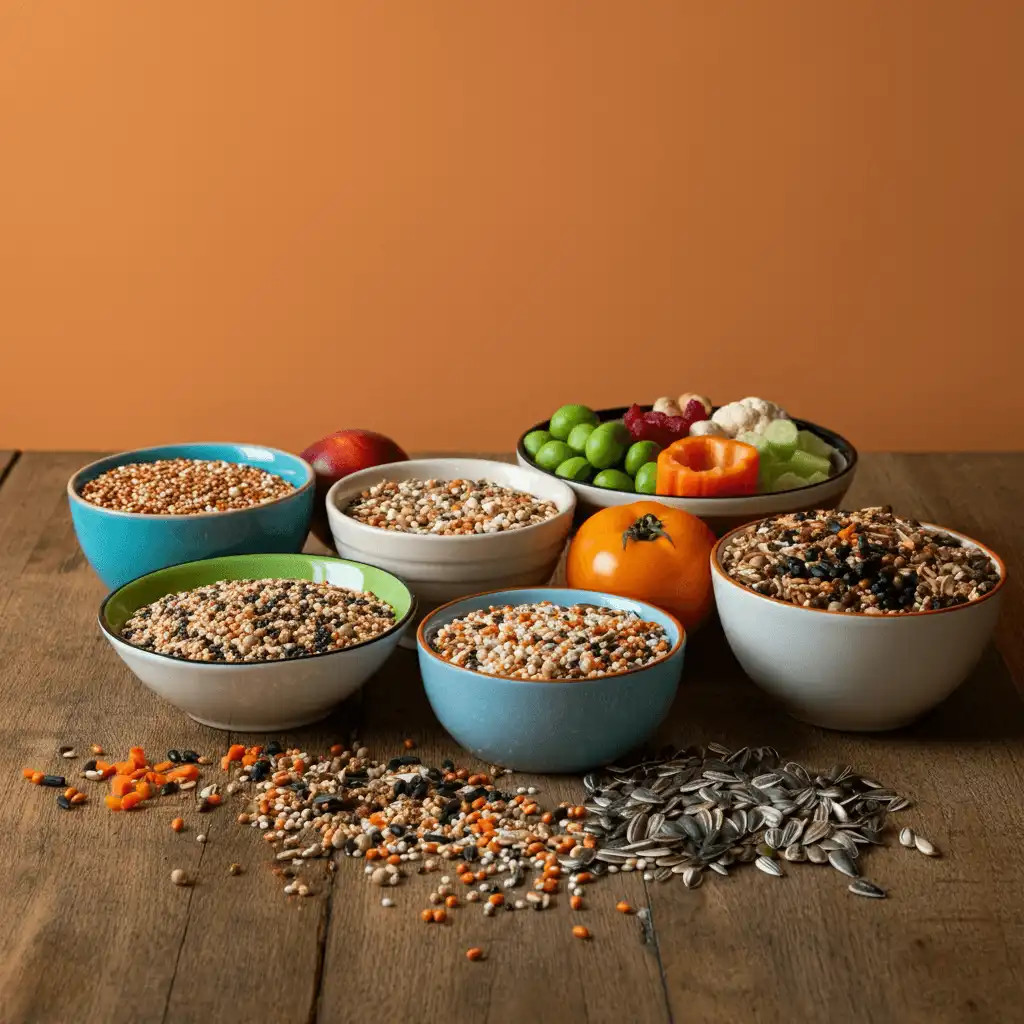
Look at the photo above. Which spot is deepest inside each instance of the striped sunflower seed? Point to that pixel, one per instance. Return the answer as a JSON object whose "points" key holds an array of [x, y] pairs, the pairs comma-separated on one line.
{"points": [[862, 887], [768, 866]]}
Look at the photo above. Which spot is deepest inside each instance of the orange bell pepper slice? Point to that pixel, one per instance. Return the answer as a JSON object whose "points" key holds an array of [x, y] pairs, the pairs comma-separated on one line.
{"points": [[708, 467]]}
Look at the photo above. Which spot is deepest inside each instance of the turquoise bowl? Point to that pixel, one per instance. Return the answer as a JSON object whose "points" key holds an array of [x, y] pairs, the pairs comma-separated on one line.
{"points": [[258, 696], [123, 545], [549, 727]]}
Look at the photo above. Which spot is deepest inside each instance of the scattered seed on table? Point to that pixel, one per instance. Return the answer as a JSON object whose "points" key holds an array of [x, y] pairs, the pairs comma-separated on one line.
{"points": [[64, 802], [178, 877], [201, 838], [862, 887], [580, 932], [234, 869], [768, 866], [907, 838], [925, 846], [96, 748], [623, 907], [184, 487], [474, 953], [178, 824], [68, 752], [54, 780]]}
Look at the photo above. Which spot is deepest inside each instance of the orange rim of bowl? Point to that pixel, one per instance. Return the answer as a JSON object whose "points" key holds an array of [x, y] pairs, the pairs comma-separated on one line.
{"points": [[724, 540], [424, 646], [73, 494]]}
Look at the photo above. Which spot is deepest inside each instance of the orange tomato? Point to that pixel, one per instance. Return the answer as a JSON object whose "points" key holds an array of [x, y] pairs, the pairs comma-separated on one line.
{"points": [[647, 551]]}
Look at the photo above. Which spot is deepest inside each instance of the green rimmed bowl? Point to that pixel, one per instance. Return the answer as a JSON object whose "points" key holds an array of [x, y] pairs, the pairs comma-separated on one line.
{"points": [[260, 696]]}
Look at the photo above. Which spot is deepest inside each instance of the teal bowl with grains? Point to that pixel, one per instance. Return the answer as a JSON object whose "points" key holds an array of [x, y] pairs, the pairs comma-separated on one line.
{"points": [[557, 725], [121, 546]]}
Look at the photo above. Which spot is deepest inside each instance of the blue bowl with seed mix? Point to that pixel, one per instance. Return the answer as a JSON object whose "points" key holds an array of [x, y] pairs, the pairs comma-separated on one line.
{"points": [[120, 546], [558, 726]]}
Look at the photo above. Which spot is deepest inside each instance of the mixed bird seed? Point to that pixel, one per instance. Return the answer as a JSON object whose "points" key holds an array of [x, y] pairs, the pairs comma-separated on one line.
{"points": [[448, 508], [870, 562], [184, 487], [258, 620], [546, 641]]}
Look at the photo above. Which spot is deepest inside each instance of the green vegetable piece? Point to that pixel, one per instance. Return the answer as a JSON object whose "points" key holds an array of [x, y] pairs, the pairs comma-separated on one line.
{"points": [[567, 417], [788, 482], [757, 440], [613, 480], [534, 441], [780, 436], [814, 445], [607, 445], [576, 468], [639, 454], [646, 481], [804, 464], [579, 435], [817, 478], [553, 454]]}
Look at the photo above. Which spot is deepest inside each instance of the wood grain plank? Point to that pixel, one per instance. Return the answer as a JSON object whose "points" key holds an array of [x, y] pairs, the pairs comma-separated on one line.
{"points": [[91, 889], [947, 944]]}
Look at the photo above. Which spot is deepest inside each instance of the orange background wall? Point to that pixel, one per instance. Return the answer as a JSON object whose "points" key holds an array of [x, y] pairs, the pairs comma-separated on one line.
{"points": [[268, 220]]}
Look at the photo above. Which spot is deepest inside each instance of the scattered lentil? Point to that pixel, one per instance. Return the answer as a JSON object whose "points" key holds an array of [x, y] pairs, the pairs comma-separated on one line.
{"points": [[178, 877], [184, 487], [257, 620], [448, 507]]}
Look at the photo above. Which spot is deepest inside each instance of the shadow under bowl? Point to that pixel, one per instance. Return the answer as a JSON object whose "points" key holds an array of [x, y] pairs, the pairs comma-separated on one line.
{"points": [[556, 727], [264, 696]]}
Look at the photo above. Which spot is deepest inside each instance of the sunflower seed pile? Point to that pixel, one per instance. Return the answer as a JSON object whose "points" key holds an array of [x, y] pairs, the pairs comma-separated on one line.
{"points": [[708, 810]]}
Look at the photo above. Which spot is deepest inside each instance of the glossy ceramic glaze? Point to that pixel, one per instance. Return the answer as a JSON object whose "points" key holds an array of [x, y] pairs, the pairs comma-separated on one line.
{"points": [[721, 514], [258, 696], [557, 726], [854, 672], [123, 545], [440, 569]]}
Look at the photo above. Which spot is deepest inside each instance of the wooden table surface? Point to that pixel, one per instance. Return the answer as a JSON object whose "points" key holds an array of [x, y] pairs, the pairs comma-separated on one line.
{"points": [[92, 930]]}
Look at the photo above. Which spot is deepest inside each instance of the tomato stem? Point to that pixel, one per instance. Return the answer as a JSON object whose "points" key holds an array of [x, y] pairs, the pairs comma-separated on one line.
{"points": [[647, 527]]}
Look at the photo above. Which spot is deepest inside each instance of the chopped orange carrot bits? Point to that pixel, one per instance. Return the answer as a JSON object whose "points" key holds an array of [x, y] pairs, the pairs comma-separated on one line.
{"points": [[28, 772], [186, 771], [124, 767], [113, 802], [121, 784], [130, 800], [144, 790], [178, 824], [138, 756], [163, 766]]}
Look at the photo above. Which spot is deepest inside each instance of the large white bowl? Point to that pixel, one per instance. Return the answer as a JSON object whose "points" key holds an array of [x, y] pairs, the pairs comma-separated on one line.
{"points": [[841, 670], [721, 514], [264, 696], [441, 569]]}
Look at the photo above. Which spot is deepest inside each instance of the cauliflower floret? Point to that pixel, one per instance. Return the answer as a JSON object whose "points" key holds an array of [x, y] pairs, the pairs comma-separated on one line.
{"points": [[707, 428], [748, 414]]}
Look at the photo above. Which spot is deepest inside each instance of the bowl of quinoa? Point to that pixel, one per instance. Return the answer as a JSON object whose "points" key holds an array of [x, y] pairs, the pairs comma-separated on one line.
{"points": [[258, 642], [453, 527], [550, 679], [142, 510], [858, 620]]}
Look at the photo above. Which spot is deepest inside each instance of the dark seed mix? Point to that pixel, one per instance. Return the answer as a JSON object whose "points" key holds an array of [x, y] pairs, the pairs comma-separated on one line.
{"points": [[257, 620], [184, 487], [546, 641], [870, 562], [448, 507]]}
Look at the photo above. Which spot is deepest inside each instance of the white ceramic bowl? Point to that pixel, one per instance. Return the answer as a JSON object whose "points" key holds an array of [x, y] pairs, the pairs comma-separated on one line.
{"points": [[854, 672], [268, 696], [441, 569], [721, 514]]}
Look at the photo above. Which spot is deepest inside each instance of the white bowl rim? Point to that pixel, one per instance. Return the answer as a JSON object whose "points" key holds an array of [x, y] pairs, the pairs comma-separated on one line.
{"points": [[424, 646], [719, 547], [331, 504], [405, 619], [74, 496], [707, 505]]}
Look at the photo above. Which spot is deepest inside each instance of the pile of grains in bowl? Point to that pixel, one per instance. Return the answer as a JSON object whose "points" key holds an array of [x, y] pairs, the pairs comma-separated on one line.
{"points": [[184, 487], [546, 641], [871, 562], [448, 508], [258, 620]]}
